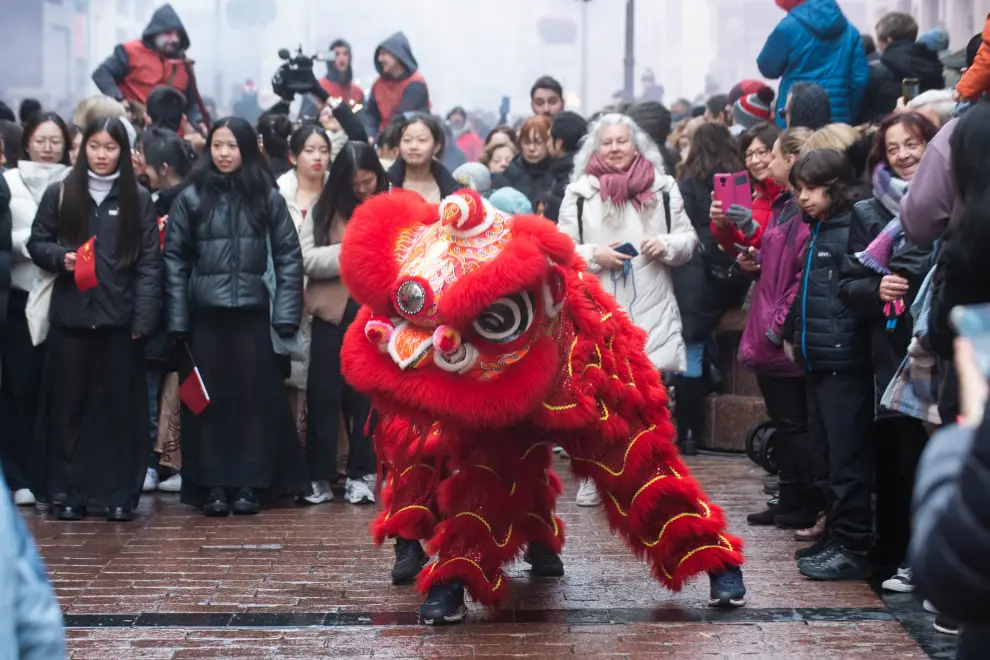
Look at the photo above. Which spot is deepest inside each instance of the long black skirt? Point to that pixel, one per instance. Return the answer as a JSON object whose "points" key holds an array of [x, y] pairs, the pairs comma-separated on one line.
{"points": [[246, 437], [23, 458], [94, 408]]}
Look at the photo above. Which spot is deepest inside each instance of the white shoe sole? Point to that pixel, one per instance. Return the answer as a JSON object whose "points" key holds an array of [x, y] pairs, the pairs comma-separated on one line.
{"points": [[588, 503], [944, 630], [318, 499], [726, 602], [24, 500], [362, 500], [897, 586], [928, 607], [456, 617]]}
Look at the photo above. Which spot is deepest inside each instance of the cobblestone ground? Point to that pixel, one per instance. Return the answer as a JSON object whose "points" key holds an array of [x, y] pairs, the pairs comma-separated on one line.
{"points": [[307, 583]]}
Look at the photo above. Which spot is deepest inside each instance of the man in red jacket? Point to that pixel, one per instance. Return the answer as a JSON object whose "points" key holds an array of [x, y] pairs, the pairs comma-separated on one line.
{"points": [[157, 58], [400, 87]]}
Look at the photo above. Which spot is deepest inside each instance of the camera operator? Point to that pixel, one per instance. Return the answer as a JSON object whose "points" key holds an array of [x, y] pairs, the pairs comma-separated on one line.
{"points": [[296, 76], [338, 82]]}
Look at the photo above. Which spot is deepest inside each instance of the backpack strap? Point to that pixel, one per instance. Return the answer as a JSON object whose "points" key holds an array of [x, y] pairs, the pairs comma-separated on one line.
{"points": [[580, 214], [666, 208]]}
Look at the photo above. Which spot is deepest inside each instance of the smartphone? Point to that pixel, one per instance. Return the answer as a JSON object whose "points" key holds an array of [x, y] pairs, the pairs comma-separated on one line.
{"points": [[973, 323], [733, 189], [747, 252], [910, 88], [628, 249]]}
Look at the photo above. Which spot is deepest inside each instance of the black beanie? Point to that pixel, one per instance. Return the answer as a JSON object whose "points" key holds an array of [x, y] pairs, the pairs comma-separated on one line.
{"points": [[653, 118], [810, 108], [569, 127]]}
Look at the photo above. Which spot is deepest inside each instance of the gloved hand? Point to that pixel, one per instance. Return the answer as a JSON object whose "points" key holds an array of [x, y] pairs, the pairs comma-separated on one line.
{"points": [[285, 330], [742, 218], [279, 87]]}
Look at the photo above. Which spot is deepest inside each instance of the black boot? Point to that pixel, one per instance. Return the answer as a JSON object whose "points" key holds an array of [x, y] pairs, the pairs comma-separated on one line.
{"points": [[246, 503], [688, 414], [812, 503], [786, 504], [544, 562], [444, 604], [409, 560]]}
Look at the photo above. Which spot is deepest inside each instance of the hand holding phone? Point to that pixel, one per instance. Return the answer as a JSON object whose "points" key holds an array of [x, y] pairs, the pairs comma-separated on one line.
{"points": [[910, 88]]}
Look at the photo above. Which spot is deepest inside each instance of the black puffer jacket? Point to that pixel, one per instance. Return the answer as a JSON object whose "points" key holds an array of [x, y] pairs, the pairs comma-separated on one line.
{"points": [[827, 335], [6, 263], [900, 60], [531, 179], [859, 289], [219, 262], [125, 297], [561, 169], [707, 286]]}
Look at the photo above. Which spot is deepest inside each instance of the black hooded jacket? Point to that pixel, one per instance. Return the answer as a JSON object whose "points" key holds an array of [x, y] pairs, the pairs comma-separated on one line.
{"points": [[900, 60], [531, 179], [415, 97], [116, 67]]}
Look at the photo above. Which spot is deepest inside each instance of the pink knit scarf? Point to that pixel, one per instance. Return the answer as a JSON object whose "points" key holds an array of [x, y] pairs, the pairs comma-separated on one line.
{"points": [[618, 187]]}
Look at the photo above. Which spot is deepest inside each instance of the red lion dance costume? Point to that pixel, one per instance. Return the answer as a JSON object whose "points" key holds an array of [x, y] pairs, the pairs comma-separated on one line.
{"points": [[482, 342]]}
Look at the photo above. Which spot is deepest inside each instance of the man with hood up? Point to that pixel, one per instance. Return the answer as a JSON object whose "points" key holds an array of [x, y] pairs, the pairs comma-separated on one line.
{"points": [[400, 87], [815, 43], [158, 58], [338, 83]]}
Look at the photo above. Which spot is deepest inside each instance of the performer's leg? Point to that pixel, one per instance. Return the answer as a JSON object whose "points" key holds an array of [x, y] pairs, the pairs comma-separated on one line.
{"points": [[652, 500], [536, 489]]}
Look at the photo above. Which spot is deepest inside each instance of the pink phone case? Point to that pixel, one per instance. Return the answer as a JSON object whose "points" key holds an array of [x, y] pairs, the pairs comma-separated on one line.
{"points": [[733, 189]]}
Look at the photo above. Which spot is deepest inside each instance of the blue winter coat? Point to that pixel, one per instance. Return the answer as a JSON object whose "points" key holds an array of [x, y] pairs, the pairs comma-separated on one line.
{"points": [[815, 43]]}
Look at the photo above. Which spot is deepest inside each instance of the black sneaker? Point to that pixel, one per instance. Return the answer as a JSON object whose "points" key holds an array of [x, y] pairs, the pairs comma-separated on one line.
{"points": [[216, 504], [543, 561], [409, 560], [836, 564], [815, 548], [246, 503], [444, 604], [728, 589]]}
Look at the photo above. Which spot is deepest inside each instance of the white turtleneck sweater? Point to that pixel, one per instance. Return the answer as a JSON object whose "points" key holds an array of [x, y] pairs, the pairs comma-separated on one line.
{"points": [[99, 186]]}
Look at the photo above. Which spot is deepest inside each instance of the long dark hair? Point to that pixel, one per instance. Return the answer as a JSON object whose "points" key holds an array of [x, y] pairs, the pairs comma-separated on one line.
{"points": [[253, 181], [36, 120], [432, 125], [163, 147], [338, 194], [829, 169], [970, 144], [712, 151], [916, 124], [73, 224]]}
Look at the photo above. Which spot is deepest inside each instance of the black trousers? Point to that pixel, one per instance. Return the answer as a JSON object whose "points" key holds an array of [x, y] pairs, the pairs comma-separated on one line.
{"points": [[840, 420], [327, 397], [803, 465], [98, 416], [898, 443], [23, 458]]}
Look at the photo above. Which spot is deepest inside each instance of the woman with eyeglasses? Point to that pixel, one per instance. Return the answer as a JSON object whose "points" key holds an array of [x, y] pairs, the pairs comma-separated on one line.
{"points": [[529, 172], [737, 224], [45, 142]]}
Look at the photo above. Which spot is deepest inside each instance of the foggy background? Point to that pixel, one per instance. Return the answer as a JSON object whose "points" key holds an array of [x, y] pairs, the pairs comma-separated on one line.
{"points": [[472, 52]]}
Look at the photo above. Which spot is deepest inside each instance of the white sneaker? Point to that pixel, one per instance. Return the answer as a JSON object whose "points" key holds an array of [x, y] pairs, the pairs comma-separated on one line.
{"points": [[587, 494], [321, 493], [901, 582], [24, 497], [171, 485], [150, 481], [360, 491]]}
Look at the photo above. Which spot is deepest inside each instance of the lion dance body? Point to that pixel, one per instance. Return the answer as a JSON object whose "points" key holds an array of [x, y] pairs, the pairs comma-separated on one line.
{"points": [[483, 343]]}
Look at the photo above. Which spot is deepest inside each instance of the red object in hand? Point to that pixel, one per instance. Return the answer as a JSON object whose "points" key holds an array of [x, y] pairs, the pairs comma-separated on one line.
{"points": [[85, 273], [192, 392]]}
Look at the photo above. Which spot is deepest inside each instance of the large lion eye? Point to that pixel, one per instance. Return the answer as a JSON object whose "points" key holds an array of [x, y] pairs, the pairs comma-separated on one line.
{"points": [[506, 319]]}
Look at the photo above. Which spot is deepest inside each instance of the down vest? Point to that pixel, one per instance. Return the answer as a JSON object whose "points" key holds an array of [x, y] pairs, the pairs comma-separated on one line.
{"points": [[218, 262], [827, 335]]}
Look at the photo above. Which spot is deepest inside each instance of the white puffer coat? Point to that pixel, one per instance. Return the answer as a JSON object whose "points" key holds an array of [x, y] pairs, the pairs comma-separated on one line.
{"points": [[27, 184], [647, 294]]}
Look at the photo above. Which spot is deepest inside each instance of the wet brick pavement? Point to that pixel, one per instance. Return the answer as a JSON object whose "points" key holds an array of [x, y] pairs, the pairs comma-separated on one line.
{"points": [[307, 583]]}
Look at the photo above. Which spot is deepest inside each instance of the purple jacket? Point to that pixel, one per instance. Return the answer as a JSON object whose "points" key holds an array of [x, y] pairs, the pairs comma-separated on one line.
{"points": [[761, 349]]}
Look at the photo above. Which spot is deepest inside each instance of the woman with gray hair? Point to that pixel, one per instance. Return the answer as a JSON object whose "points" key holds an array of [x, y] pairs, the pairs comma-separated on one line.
{"points": [[626, 215]]}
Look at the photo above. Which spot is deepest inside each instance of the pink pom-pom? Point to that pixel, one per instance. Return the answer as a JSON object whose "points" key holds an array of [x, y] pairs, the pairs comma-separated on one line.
{"points": [[446, 339], [378, 330]]}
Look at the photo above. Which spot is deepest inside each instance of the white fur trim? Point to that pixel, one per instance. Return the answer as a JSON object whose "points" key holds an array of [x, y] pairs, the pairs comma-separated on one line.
{"points": [[460, 367]]}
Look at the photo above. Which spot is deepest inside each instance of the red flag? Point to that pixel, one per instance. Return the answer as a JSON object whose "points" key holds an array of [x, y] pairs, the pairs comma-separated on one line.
{"points": [[86, 265], [193, 392]]}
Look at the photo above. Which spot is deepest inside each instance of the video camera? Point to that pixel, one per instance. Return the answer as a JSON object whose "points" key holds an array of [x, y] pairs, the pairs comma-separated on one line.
{"points": [[296, 75]]}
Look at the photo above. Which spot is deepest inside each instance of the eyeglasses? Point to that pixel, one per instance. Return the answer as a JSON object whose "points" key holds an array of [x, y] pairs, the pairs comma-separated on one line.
{"points": [[757, 154], [54, 143]]}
